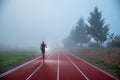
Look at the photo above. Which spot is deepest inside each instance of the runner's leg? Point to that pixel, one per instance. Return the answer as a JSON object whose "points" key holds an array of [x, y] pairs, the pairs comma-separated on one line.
{"points": [[43, 55]]}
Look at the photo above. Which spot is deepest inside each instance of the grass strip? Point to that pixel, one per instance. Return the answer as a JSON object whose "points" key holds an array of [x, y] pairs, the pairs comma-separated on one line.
{"points": [[9, 58], [110, 68]]}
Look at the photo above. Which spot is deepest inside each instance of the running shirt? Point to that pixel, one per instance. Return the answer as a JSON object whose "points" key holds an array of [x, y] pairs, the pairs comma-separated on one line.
{"points": [[43, 46]]}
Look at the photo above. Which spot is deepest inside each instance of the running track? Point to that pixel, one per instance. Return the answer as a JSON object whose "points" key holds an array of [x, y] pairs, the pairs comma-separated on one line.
{"points": [[59, 65]]}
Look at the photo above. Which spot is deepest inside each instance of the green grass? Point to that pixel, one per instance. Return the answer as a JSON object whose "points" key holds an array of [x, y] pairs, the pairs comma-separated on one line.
{"points": [[115, 70], [9, 58]]}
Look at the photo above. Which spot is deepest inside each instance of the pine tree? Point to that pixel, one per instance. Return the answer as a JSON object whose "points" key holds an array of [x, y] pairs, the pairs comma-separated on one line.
{"points": [[97, 28], [80, 34]]}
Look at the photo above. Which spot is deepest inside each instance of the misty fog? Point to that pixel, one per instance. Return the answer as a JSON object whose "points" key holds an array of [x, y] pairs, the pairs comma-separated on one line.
{"points": [[26, 23]]}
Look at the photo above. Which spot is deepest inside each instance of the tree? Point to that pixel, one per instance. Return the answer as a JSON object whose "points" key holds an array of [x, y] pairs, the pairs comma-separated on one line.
{"points": [[77, 36], [97, 28], [114, 40], [69, 42], [80, 34]]}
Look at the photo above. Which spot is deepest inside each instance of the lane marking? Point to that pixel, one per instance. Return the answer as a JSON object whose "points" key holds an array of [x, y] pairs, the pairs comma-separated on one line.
{"points": [[18, 67], [93, 66], [58, 68], [36, 69], [77, 67]]}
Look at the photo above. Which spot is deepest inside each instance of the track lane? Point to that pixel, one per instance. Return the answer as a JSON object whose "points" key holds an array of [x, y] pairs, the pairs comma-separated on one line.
{"points": [[77, 68], [67, 70], [49, 69], [91, 72]]}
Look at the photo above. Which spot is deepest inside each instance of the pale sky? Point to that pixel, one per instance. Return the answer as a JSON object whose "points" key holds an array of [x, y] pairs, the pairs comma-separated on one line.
{"points": [[25, 23]]}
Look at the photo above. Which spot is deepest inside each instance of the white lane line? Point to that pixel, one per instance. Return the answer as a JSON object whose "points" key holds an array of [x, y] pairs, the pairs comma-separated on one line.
{"points": [[58, 68], [94, 66], [77, 67], [18, 67], [36, 70]]}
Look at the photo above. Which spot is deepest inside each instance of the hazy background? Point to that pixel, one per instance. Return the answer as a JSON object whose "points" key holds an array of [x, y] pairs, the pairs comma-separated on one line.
{"points": [[25, 23]]}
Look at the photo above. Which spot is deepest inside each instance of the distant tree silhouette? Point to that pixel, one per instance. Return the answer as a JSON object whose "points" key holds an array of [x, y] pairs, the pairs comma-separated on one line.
{"points": [[97, 28], [80, 34], [69, 42], [114, 41]]}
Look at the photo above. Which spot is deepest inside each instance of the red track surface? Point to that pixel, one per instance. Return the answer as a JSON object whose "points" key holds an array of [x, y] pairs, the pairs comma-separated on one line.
{"points": [[59, 65]]}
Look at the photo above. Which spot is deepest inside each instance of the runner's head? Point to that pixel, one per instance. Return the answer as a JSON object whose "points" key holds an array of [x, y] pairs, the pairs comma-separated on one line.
{"points": [[42, 42]]}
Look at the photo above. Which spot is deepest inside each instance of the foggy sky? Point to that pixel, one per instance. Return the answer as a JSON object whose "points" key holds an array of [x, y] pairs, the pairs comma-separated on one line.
{"points": [[25, 23]]}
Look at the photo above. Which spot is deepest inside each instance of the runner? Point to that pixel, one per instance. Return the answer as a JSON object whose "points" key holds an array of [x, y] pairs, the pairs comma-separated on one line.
{"points": [[42, 47]]}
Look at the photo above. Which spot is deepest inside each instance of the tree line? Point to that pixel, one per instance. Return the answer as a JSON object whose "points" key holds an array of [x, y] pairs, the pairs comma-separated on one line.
{"points": [[96, 30]]}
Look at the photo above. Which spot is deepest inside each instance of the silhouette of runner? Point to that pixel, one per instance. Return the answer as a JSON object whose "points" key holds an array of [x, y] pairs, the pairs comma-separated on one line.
{"points": [[42, 47]]}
